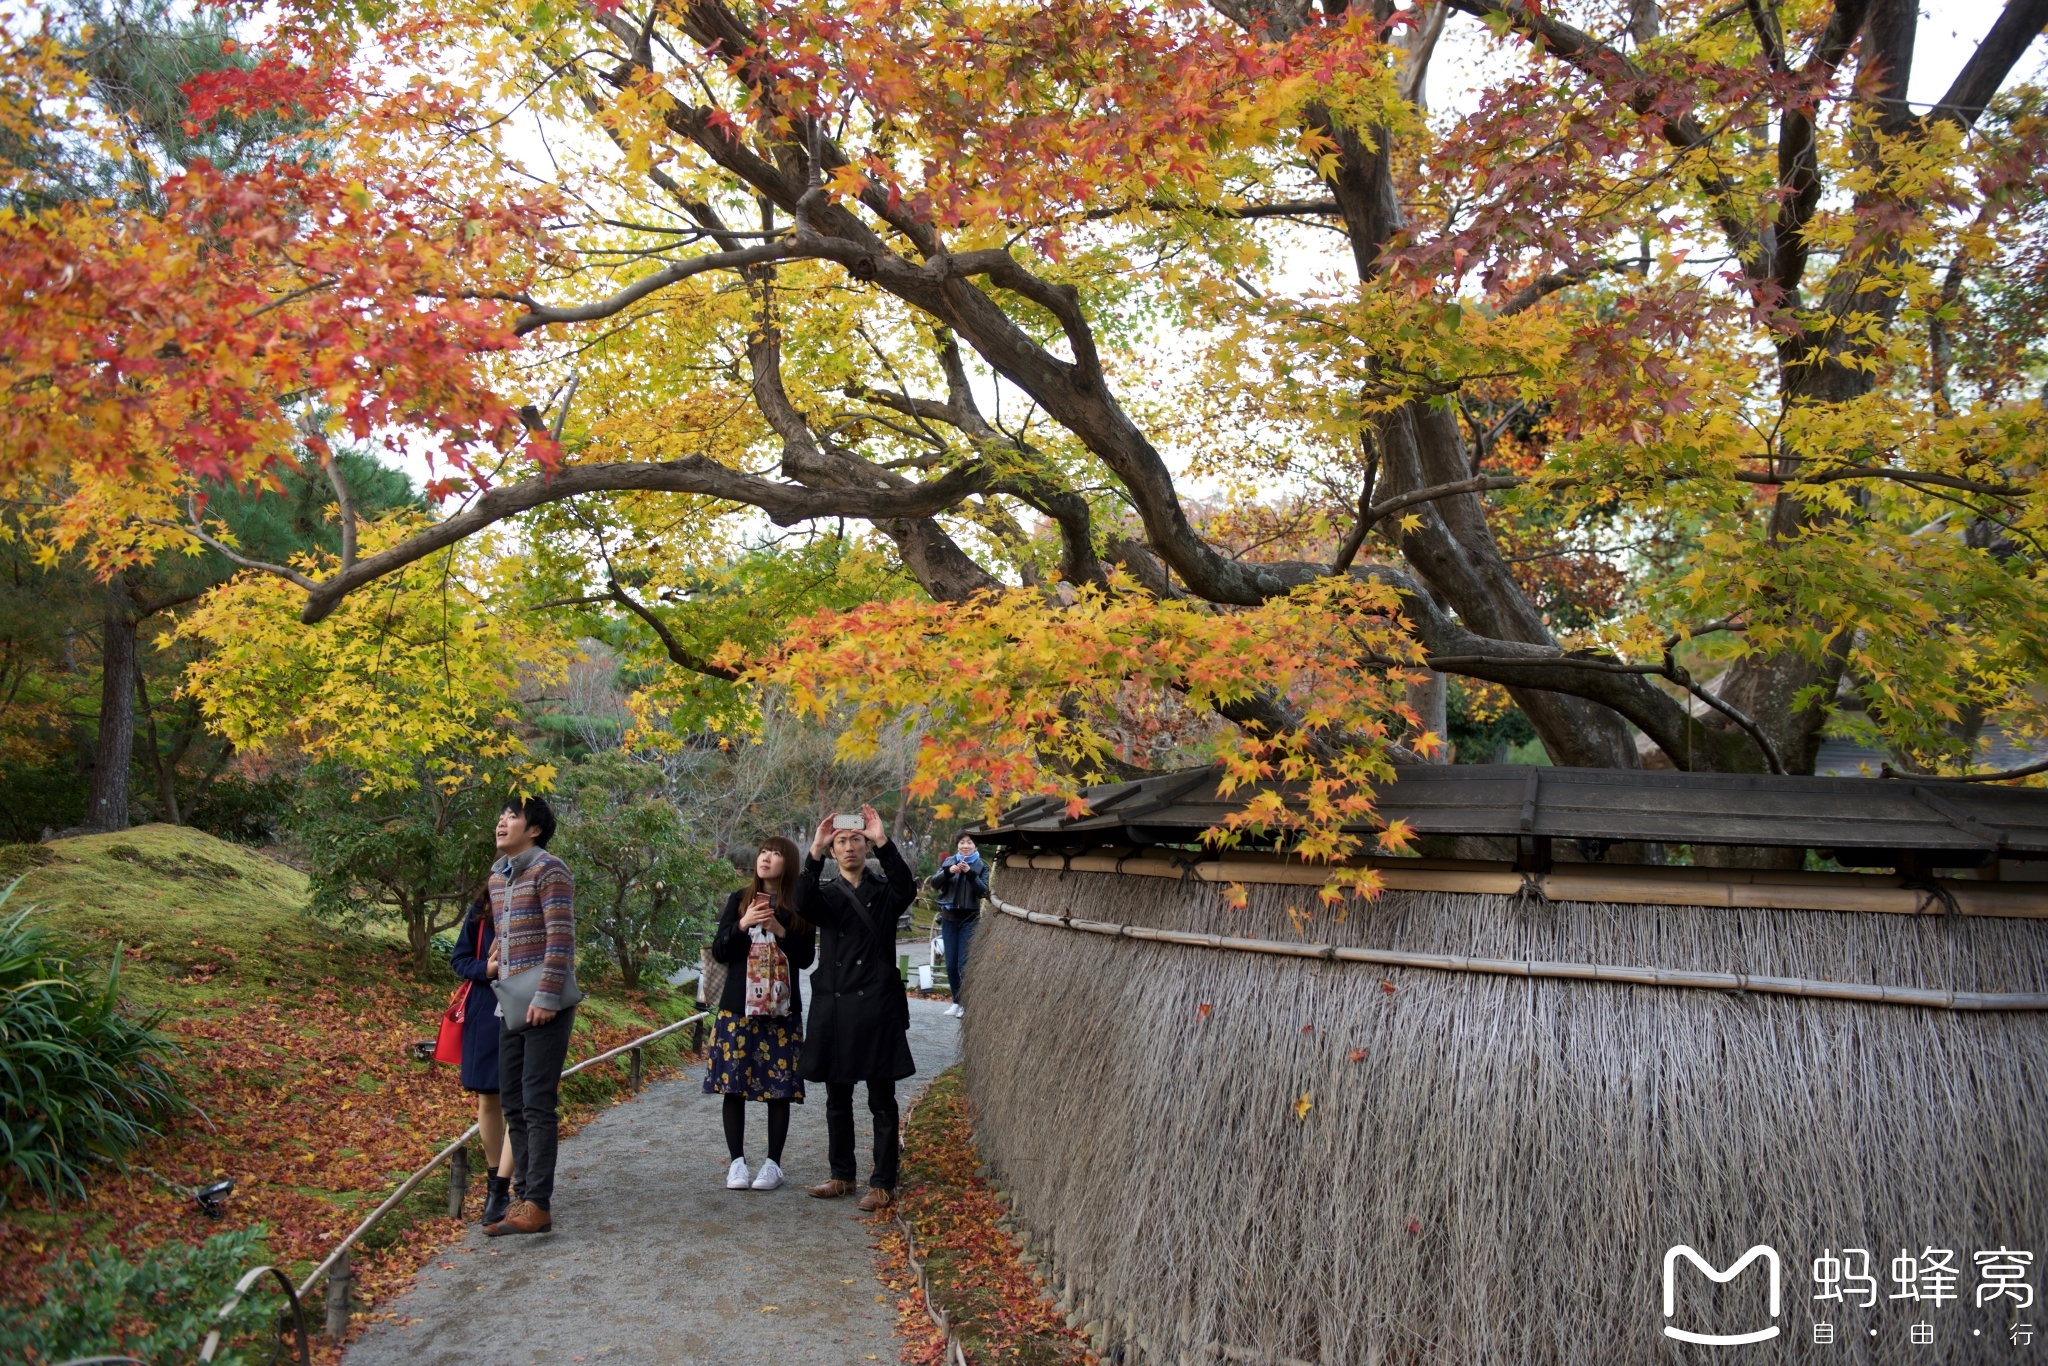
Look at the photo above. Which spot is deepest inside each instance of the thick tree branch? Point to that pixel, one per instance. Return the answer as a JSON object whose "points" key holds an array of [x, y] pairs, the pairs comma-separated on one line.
{"points": [[1786, 252], [1538, 669], [785, 504], [676, 651], [541, 315], [1666, 670], [2018, 24], [1543, 286]]}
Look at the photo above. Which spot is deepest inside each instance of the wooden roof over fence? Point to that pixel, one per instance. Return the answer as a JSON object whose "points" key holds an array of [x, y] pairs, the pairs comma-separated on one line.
{"points": [[1862, 821]]}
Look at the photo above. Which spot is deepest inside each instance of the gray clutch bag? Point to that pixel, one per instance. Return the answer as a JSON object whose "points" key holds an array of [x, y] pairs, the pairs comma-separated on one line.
{"points": [[515, 994]]}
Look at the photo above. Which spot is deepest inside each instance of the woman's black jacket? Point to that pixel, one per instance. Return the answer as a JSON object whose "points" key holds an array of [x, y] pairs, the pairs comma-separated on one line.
{"points": [[731, 943], [860, 1013], [961, 886]]}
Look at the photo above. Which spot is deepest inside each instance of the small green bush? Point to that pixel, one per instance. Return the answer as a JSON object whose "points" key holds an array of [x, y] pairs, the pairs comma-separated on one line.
{"points": [[81, 1081], [159, 1309]]}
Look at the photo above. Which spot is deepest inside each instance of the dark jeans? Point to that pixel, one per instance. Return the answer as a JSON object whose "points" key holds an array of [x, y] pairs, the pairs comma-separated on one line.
{"points": [[529, 1079], [839, 1130], [955, 934]]}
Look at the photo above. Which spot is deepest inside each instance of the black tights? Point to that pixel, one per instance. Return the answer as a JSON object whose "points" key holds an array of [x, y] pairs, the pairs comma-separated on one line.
{"points": [[736, 1127]]}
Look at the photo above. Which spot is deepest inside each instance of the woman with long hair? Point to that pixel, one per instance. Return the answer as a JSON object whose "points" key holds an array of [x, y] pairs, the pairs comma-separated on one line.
{"points": [[759, 1030], [475, 960]]}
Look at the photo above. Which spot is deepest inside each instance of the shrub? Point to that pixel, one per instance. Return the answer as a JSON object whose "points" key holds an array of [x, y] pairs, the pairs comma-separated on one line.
{"points": [[416, 855], [644, 891], [159, 1309], [33, 800], [245, 811], [81, 1081]]}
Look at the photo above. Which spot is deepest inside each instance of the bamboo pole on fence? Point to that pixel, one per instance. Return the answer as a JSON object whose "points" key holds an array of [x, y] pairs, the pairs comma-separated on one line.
{"points": [[1867, 992], [1619, 884]]}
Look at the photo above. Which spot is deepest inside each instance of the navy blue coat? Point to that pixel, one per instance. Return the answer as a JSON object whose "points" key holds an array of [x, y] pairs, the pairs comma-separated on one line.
{"points": [[480, 1016]]}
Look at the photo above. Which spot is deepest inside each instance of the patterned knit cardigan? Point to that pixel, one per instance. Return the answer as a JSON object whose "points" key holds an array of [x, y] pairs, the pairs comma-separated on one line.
{"points": [[534, 913]]}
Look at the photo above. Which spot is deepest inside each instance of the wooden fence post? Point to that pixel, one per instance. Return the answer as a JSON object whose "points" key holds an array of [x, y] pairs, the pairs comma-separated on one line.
{"points": [[458, 1181], [337, 1299], [633, 1072]]}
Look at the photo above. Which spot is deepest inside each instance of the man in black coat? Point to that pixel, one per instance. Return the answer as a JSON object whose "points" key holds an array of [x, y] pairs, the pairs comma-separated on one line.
{"points": [[860, 1013]]}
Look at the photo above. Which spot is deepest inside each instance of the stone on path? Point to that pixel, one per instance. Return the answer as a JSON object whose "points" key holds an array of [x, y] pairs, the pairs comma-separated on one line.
{"points": [[654, 1261]]}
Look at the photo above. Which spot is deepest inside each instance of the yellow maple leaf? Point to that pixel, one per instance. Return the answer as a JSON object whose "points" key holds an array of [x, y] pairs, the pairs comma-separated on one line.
{"points": [[1305, 1104]]}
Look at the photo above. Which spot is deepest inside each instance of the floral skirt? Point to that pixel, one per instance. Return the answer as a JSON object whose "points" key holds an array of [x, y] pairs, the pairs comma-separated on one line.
{"points": [[755, 1056]]}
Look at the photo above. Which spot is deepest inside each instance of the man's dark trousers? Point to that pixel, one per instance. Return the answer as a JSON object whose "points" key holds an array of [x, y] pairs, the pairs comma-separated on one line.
{"points": [[529, 1082], [839, 1130]]}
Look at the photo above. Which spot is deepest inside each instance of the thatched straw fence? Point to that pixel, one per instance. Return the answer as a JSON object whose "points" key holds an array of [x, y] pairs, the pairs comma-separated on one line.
{"points": [[1226, 1154]]}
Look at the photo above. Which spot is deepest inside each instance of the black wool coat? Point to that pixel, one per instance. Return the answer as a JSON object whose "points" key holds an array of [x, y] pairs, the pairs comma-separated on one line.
{"points": [[731, 944], [860, 1012]]}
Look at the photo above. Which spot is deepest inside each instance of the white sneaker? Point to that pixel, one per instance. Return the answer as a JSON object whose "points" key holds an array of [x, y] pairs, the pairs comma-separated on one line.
{"points": [[770, 1177], [959, 1012], [955, 1011], [736, 1175]]}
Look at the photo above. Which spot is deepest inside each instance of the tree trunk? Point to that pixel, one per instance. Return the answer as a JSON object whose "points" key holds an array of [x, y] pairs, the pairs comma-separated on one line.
{"points": [[116, 749], [1431, 700], [166, 770], [419, 931]]}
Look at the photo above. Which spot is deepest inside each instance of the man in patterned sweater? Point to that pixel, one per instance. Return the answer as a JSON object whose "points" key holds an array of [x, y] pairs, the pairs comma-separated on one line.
{"points": [[534, 912]]}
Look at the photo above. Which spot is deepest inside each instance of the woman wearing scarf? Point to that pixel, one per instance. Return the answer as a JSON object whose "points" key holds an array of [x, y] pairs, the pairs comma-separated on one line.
{"points": [[759, 1030]]}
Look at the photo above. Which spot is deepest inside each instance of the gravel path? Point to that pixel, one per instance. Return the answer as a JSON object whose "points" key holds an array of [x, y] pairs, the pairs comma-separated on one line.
{"points": [[654, 1261]]}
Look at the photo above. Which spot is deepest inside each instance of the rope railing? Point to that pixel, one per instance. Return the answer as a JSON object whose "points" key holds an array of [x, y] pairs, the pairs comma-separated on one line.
{"points": [[406, 1188], [1870, 992], [297, 1294]]}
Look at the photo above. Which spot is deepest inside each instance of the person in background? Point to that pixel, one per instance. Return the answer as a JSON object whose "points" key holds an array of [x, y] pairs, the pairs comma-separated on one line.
{"points": [[961, 882], [860, 1013], [760, 1025], [533, 902], [474, 959]]}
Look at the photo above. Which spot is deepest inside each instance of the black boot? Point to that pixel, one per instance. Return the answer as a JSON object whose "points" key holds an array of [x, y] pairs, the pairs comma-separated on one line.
{"points": [[497, 1198]]}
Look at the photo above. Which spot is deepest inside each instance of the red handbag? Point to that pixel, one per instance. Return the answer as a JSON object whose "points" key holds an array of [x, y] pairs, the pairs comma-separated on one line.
{"points": [[448, 1045]]}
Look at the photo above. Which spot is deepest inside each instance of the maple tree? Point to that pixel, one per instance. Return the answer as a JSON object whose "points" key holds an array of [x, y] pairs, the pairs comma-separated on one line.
{"points": [[982, 276], [406, 687]]}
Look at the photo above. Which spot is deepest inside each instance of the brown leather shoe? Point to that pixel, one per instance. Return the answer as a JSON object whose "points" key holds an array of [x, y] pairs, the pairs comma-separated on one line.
{"points": [[523, 1217], [877, 1199], [831, 1190]]}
